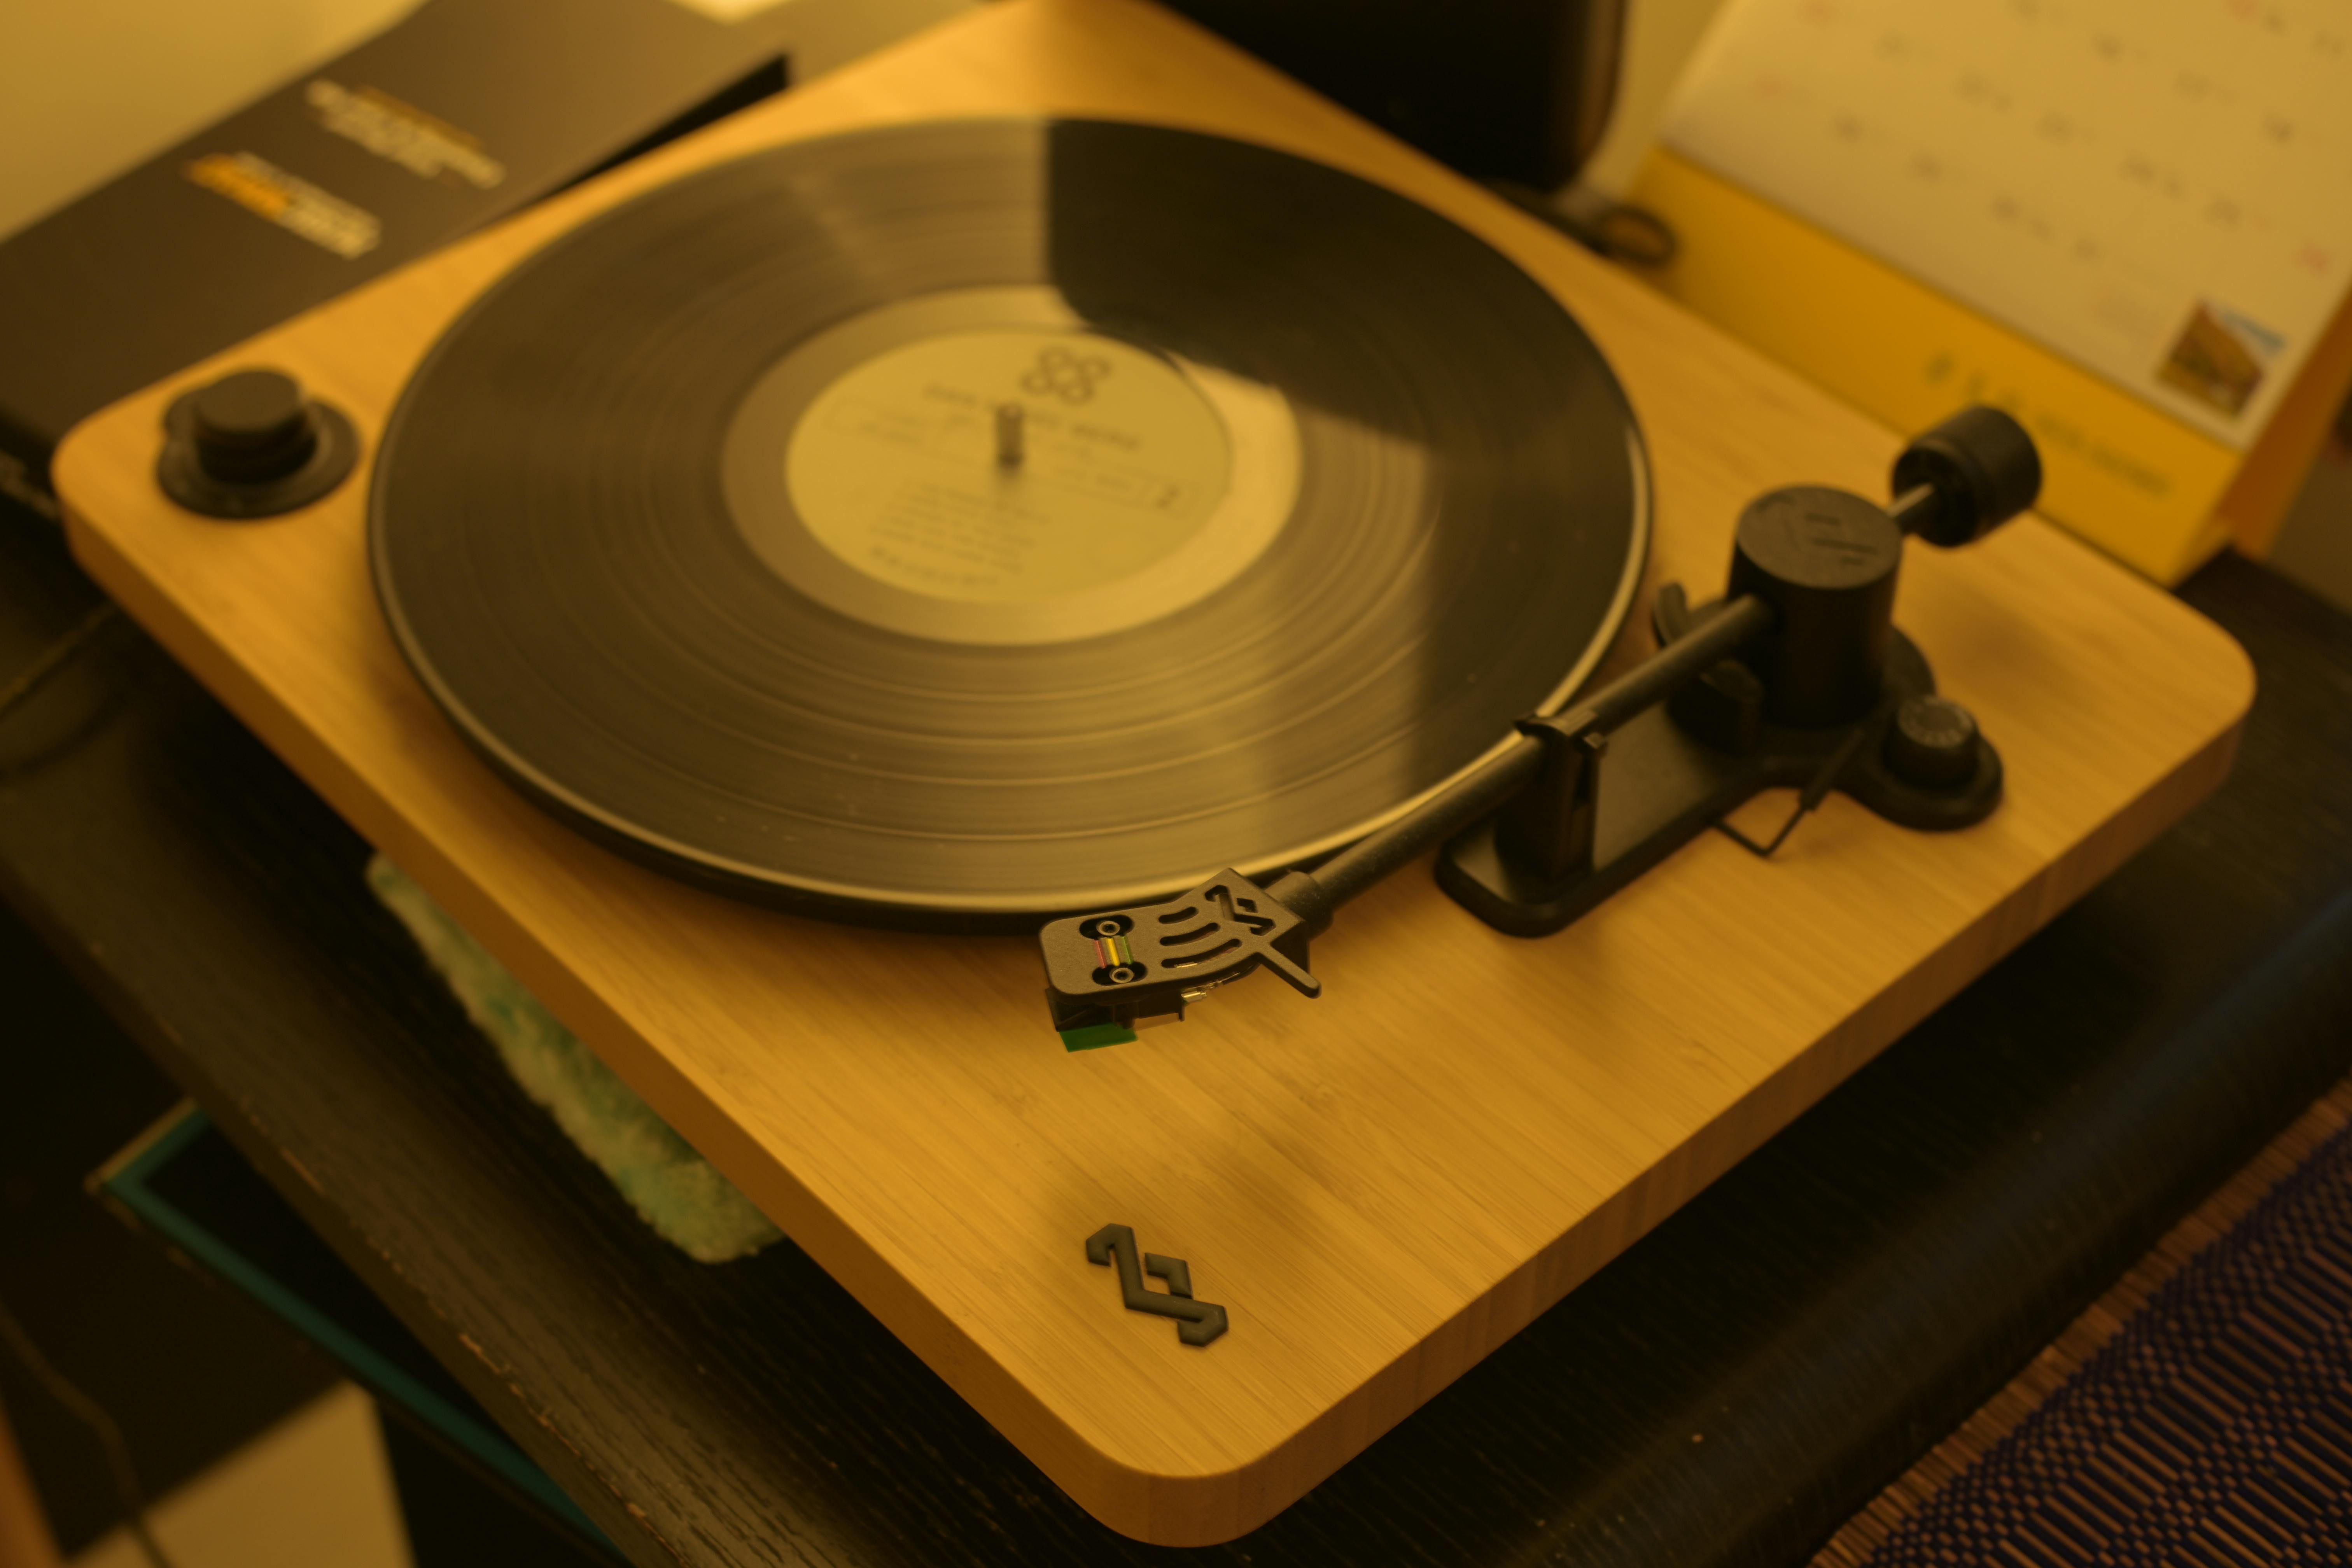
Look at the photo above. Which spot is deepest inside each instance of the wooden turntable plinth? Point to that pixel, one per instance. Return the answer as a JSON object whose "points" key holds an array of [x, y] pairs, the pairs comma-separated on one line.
{"points": [[1378, 1187]]}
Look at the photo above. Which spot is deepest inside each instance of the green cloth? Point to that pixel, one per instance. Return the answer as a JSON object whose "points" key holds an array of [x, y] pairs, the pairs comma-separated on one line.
{"points": [[674, 1190]]}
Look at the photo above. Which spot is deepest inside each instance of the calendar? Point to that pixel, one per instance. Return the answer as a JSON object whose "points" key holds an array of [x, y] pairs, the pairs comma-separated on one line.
{"points": [[2159, 191]]}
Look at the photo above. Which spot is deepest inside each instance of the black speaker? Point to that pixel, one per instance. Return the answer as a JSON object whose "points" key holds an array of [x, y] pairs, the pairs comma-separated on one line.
{"points": [[1515, 90]]}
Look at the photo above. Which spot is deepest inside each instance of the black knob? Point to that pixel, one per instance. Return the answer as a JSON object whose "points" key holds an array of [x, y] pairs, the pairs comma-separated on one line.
{"points": [[1932, 743], [252, 425], [252, 444], [1978, 468]]}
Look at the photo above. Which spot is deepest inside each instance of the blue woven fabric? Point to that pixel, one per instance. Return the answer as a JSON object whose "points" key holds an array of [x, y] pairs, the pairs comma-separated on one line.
{"points": [[2214, 1429]]}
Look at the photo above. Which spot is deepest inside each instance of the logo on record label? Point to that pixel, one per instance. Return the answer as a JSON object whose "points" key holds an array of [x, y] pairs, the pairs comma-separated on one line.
{"points": [[1069, 377]]}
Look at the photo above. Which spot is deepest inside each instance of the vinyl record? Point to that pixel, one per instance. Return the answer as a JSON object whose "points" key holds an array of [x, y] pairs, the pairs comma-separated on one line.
{"points": [[965, 522]]}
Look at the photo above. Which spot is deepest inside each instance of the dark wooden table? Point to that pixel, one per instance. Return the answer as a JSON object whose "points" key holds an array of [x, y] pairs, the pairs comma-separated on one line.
{"points": [[1728, 1391]]}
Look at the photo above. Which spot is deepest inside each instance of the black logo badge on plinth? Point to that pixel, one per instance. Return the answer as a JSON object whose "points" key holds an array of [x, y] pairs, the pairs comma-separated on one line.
{"points": [[1197, 1322]]}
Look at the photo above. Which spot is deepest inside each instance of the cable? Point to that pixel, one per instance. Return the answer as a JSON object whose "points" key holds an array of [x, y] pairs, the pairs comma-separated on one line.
{"points": [[52, 658], [92, 1414], [1619, 231]]}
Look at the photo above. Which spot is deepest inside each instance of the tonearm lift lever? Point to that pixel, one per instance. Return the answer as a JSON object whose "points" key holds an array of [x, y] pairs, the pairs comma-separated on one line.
{"points": [[1795, 678]]}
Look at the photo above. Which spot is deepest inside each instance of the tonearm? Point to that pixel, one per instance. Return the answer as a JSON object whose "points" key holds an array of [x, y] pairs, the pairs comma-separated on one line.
{"points": [[1795, 678]]}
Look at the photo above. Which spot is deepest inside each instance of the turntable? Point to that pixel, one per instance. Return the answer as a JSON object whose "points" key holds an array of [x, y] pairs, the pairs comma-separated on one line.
{"points": [[1058, 473]]}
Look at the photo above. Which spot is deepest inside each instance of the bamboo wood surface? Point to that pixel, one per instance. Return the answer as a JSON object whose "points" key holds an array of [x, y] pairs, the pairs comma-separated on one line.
{"points": [[24, 1538], [1380, 1186]]}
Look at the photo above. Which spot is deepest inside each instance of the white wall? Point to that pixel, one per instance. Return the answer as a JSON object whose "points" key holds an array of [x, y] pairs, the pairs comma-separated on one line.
{"points": [[90, 88]]}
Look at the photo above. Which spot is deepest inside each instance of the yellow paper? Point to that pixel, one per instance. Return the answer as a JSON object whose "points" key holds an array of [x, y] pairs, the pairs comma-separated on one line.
{"points": [[2138, 483]]}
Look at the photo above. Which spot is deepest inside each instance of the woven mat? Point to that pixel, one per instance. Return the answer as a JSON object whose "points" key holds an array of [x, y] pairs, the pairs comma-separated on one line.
{"points": [[2200, 1413]]}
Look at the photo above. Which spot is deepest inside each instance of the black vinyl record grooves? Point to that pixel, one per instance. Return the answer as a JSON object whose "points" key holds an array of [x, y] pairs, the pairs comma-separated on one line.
{"points": [[960, 523]]}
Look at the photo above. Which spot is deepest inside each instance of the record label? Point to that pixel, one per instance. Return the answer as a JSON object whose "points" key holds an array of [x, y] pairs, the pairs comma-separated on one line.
{"points": [[1008, 466], [872, 470]]}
